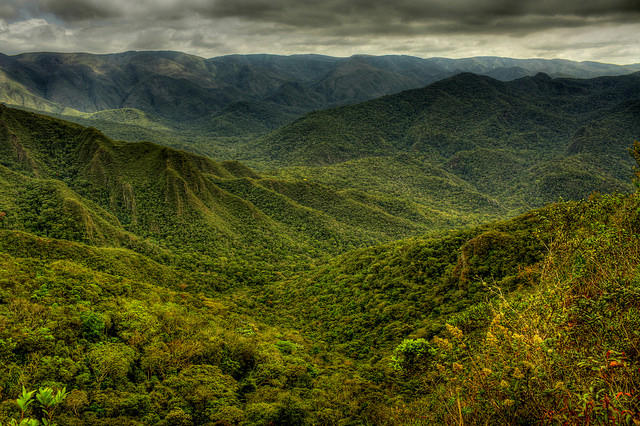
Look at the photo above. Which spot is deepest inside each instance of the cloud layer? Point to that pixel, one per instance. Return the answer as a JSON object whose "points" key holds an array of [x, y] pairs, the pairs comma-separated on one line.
{"points": [[605, 30]]}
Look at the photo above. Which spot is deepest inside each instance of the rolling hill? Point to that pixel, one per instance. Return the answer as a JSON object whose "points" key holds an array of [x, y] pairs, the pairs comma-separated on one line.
{"points": [[522, 143]]}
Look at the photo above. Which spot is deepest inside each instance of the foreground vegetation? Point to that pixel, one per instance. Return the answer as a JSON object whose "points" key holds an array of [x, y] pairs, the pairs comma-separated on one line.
{"points": [[564, 352], [553, 337]]}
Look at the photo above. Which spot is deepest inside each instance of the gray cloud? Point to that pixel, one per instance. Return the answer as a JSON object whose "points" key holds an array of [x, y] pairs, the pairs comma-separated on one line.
{"points": [[8, 11], [471, 13], [79, 10], [150, 39], [336, 27]]}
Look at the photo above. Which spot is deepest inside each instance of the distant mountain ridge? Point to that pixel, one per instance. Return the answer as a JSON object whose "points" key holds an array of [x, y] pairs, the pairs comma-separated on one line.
{"points": [[175, 88]]}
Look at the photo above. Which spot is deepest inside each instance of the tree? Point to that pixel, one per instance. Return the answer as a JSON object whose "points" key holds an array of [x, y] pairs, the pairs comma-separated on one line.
{"points": [[48, 400], [411, 355], [110, 360], [635, 153]]}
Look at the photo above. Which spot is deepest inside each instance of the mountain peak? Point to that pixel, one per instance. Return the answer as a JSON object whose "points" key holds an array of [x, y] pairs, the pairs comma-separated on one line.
{"points": [[542, 77]]}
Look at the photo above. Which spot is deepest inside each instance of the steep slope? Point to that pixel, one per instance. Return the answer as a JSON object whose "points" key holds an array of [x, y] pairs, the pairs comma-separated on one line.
{"points": [[530, 317], [366, 300], [565, 351], [360, 78], [206, 102], [65, 181], [92, 83], [533, 316], [407, 178], [606, 140], [454, 114], [500, 137]]}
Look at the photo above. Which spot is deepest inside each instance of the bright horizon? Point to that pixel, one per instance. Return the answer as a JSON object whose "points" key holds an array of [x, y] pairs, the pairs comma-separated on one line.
{"points": [[303, 54]]}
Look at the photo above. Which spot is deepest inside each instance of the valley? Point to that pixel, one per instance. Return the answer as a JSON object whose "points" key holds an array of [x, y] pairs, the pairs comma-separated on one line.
{"points": [[261, 239]]}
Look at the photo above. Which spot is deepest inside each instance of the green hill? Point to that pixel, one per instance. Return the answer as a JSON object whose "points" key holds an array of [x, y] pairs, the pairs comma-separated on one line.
{"points": [[367, 299], [563, 351], [464, 112], [133, 345], [535, 316], [64, 181], [521, 143]]}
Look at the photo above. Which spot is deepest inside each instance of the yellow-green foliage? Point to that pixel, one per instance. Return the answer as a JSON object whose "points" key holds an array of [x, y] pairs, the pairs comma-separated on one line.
{"points": [[368, 299], [567, 351], [132, 352], [143, 278]]}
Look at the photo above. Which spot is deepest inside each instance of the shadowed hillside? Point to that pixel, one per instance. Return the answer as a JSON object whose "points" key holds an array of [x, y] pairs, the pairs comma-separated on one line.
{"points": [[203, 105], [522, 143]]}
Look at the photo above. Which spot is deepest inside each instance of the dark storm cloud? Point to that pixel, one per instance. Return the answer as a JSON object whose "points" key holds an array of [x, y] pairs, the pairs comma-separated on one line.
{"points": [[461, 15], [7, 11], [11, 9], [63, 10], [79, 10], [381, 15]]}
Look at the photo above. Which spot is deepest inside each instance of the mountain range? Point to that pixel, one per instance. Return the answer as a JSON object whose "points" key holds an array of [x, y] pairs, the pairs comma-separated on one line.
{"points": [[554, 136], [159, 286], [365, 240], [235, 96]]}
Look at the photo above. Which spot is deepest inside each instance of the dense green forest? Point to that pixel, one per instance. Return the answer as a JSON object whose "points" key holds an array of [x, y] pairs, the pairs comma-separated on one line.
{"points": [[548, 331], [420, 276]]}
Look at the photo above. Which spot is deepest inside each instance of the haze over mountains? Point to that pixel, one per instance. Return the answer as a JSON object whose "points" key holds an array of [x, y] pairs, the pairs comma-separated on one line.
{"points": [[232, 96]]}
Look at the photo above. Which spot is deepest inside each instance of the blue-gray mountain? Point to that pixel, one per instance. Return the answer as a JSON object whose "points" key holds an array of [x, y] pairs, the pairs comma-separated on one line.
{"points": [[232, 96]]}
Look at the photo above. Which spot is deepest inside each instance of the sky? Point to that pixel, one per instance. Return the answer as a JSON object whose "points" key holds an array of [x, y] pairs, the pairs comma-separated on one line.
{"points": [[596, 30]]}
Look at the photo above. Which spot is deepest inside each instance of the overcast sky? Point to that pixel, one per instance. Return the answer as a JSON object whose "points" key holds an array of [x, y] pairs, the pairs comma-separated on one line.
{"points": [[599, 30]]}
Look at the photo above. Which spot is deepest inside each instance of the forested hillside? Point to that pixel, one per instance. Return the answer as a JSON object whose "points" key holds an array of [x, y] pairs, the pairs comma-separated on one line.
{"points": [[63, 181], [214, 106], [522, 143], [391, 262], [536, 319]]}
